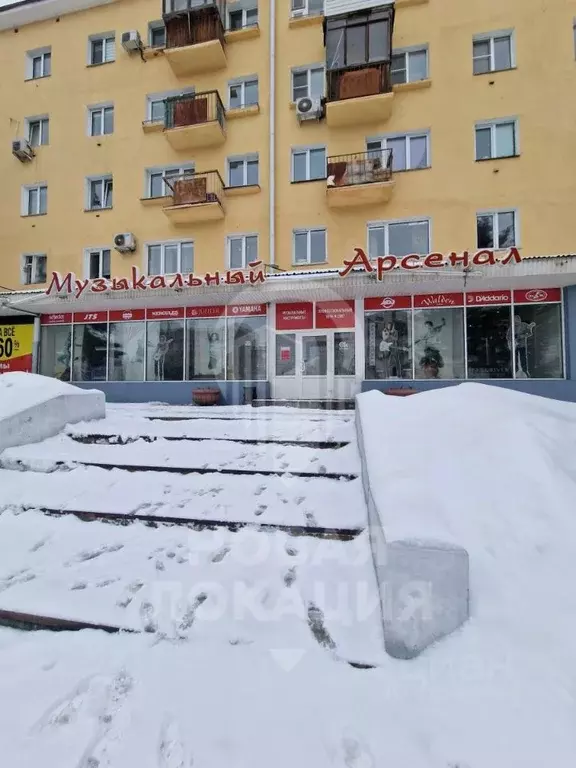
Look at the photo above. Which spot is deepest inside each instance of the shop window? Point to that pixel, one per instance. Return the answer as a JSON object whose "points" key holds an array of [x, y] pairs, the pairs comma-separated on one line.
{"points": [[308, 82], [38, 131], [308, 163], [165, 351], [39, 63], [492, 52], [439, 343], [206, 348], [243, 92], [409, 151], [55, 351], [344, 353], [537, 339], [126, 355], [496, 139], [247, 348], [496, 229], [170, 258], [388, 340], [409, 66], [399, 238], [285, 354], [489, 342], [90, 346]]}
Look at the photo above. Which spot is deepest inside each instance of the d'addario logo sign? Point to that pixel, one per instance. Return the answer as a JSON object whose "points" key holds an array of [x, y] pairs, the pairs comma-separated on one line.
{"points": [[388, 302], [536, 295], [491, 298]]}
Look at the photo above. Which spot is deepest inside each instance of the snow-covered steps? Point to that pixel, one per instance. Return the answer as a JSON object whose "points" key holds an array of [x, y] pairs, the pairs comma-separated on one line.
{"points": [[110, 438]]}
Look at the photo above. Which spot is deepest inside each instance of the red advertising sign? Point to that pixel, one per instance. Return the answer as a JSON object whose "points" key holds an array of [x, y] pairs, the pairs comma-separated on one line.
{"points": [[379, 303], [173, 313], [483, 298], [285, 354], [90, 317], [335, 314], [125, 315], [57, 318], [438, 300], [537, 295], [205, 311], [298, 316], [245, 310]]}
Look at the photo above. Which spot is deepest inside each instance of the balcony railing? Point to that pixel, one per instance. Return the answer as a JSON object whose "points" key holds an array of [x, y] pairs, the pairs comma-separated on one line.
{"points": [[195, 188], [194, 109], [354, 82], [359, 168], [190, 22]]}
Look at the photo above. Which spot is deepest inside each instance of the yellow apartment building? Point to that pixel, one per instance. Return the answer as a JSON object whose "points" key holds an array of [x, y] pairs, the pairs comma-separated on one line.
{"points": [[288, 199]]}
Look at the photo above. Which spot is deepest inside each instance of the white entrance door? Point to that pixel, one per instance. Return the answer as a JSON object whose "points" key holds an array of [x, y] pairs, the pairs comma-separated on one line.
{"points": [[314, 366]]}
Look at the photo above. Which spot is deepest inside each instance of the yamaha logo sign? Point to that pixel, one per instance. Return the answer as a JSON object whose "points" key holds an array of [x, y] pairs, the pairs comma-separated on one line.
{"points": [[536, 295]]}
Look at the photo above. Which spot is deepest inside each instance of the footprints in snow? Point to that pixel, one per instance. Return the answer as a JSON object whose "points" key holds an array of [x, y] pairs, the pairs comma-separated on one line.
{"points": [[172, 752]]}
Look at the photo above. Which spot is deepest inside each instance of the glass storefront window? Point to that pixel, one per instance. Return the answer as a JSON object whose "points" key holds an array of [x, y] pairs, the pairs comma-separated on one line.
{"points": [[55, 352], [489, 350], [126, 344], [439, 343], [285, 354], [90, 345], [247, 348], [537, 332], [344, 354], [206, 340], [165, 351], [388, 342]]}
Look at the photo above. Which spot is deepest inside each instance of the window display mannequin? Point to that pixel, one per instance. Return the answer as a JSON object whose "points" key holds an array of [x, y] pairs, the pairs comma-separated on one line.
{"points": [[390, 352], [432, 361], [215, 347], [521, 332], [160, 356]]}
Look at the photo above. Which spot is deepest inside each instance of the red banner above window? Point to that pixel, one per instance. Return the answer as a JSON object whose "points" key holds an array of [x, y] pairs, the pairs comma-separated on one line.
{"points": [[537, 296], [380, 303], [245, 310], [335, 314], [482, 298], [90, 317], [205, 311], [126, 315], [174, 313], [58, 318], [298, 316], [439, 300]]}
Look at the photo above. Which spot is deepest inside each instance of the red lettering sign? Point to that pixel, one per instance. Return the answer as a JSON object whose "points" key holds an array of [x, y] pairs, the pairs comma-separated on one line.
{"points": [[537, 296], [205, 311], [294, 317], [433, 300], [245, 310], [125, 315], [90, 317], [335, 314], [57, 318], [483, 298], [174, 313], [380, 303]]}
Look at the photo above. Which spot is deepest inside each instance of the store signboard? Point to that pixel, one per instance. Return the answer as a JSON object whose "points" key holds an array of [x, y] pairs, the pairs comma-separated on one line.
{"points": [[245, 310], [381, 303], [438, 300], [335, 314], [90, 317], [16, 342], [538, 296], [205, 311], [56, 318], [127, 315], [298, 316], [486, 298], [164, 313]]}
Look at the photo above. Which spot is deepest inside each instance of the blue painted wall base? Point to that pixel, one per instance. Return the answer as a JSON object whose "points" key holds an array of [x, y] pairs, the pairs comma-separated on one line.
{"points": [[174, 392]]}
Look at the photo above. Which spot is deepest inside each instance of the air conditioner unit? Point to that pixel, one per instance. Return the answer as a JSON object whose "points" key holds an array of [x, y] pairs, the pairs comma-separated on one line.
{"points": [[309, 109], [131, 41], [125, 242], [22, 150]]}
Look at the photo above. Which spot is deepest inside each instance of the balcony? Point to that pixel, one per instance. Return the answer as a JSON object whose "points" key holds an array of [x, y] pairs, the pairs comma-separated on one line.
{"points": [[196, 198], [358, 95], [193, 121], [194, 36], [364, 178]]}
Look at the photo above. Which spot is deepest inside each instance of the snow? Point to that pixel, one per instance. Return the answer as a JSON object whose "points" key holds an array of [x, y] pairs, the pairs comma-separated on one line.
{"points": [[19, 391]]}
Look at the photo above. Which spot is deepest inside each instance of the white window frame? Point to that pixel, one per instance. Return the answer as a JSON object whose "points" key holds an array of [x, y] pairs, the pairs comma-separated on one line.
{"points": [[308, 231], [89, 181], [99, 108], [163, 170], [244, 159], [34, 261], [490, 37], [492, 124], [44, 121], [163, 244], [108, 40], [40, 53], [237, 8], [406, 53], [307, 68], [240, 236], [162, 96], [495, 212], [240, 82], [386, 224], [383, 139], [306, 150], [25, 202], [154, 26], [302, 8], [99, 249]]}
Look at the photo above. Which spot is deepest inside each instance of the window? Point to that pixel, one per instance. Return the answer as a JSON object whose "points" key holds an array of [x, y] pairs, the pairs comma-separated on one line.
{"points": [[242, 249], [97, 263], [358, 39], [243, 17], [488, 349], [55, 351], [309, 246], [409, 152], [35, 200], [99, 193], [496, 139], [156, 34], [90, 345], [308, 163], [33, 268], [39, 63], [102, 48], [307, 7], [388, 341], [165, 351], [492, 52], [496, 229], [126, 346], [398, 238], [101, 120], [243, 93], [155, 103], [169, 258], [38, 131], [409, 66], [243, 171], [206, 348], [536, 336], [439, 343], [308, 82], [156, 185], [246, 348]]}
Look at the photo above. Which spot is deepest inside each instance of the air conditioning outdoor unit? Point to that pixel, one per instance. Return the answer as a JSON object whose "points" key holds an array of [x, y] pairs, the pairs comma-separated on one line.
{"points": [[125, 242], [131, 41], [22, 150], [309, 109]]}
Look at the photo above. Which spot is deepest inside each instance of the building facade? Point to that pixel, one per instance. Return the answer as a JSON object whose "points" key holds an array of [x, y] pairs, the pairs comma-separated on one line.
{"points": [[293, 199]]}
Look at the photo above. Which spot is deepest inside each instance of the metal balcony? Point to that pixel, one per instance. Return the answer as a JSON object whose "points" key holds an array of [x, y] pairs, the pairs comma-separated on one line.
{"points": [[358, 95], [196, 198], [195, 35], [362, 178], [195, 120]]}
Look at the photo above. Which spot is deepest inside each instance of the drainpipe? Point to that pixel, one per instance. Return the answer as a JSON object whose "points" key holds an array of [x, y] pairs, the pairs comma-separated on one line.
{"points": [[272, 160], [36, 346]]}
